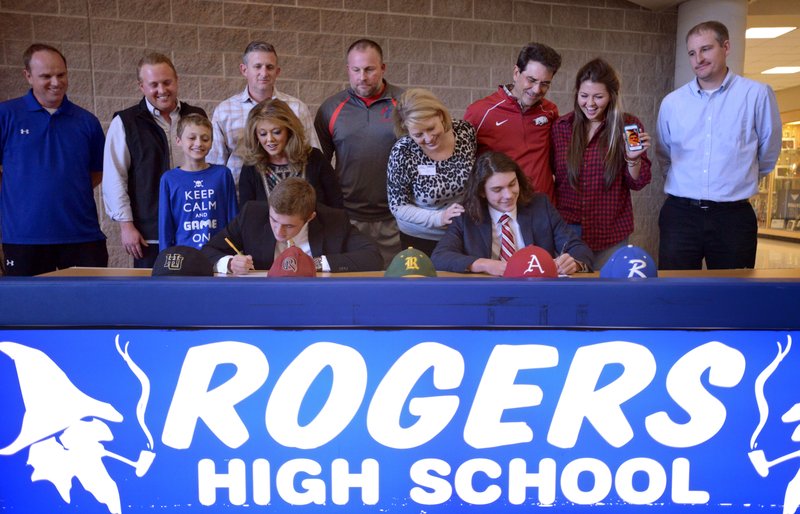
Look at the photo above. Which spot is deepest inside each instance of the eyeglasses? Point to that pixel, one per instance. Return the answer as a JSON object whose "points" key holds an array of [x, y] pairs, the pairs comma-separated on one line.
{"points": [[543, 85]]}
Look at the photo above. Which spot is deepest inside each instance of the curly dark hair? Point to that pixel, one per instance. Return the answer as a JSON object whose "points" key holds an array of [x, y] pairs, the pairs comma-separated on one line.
{"points": [[487, 165]]}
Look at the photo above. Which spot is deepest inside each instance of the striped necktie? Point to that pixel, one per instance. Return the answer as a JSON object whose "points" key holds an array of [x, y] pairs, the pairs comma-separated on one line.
{"points": [[507, 245]]}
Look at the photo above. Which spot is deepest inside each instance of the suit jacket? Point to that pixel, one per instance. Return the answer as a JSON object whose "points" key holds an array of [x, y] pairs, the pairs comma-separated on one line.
{"points": [[329, 233], [466, 241]]}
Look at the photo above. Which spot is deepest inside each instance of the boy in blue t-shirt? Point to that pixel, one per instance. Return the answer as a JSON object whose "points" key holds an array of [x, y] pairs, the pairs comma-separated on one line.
{"points": [[196, 200]]}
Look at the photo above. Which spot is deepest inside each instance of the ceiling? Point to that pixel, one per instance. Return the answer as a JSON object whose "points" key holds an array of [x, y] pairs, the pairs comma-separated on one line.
{"points": [[763, 54]]}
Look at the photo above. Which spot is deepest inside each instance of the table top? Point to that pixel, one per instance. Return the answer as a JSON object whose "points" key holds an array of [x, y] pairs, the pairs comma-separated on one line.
{"points": [[146, 272], [788, 273]]}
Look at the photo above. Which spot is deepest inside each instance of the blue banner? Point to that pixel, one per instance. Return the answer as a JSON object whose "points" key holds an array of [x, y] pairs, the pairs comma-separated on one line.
{"points": [[411, 420]]}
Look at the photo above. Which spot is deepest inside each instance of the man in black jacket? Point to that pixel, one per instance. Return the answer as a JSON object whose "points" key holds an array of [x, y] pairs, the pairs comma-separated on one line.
{"points": [[140, 147], [292, 217]]}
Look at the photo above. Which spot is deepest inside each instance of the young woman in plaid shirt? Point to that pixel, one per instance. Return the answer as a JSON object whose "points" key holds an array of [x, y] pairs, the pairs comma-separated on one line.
{"points": [[594, 169]]}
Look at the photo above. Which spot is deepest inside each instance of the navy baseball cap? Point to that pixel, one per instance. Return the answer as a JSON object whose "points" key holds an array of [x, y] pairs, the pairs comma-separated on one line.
{"points": [[182, 261], [630, 262]]}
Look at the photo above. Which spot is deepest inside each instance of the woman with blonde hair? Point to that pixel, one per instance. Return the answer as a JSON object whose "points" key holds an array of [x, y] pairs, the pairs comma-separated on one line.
{"points": [[595, 170], [274, 148], [428, 168]]}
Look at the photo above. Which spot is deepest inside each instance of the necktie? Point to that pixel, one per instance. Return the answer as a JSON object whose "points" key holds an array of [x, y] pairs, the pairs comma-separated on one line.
{"points": [[507, 245]]}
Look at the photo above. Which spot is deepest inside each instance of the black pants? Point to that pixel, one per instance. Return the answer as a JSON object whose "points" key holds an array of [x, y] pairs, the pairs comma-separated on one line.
{"points": [[29, 260], [149, 254], [425, 246], [725, 234]]}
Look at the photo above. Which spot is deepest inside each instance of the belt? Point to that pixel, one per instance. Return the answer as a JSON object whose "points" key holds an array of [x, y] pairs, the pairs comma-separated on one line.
{"points": [[706, 204]]}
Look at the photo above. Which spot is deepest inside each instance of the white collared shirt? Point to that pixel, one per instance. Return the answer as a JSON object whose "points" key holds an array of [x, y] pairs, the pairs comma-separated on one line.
{"points": [[497, 231], [300, 241]]}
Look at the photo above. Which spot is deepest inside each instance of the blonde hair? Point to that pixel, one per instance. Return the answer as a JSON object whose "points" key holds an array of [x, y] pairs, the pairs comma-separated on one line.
{"points": [[277, 112], [417, 105]]}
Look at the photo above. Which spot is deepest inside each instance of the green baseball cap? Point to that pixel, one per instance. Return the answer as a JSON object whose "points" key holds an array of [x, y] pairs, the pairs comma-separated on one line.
{"points": [[410, 263]]}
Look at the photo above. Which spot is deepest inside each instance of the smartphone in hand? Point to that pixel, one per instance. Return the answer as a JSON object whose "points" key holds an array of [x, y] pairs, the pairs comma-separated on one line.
{"points": [[632, 138]]}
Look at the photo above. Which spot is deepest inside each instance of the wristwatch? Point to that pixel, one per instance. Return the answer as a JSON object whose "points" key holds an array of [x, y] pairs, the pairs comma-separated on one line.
{"points": [[318, 263]]}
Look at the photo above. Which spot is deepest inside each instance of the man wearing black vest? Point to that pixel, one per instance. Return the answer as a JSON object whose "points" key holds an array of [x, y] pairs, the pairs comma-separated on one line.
{"points": [[140, 147]]}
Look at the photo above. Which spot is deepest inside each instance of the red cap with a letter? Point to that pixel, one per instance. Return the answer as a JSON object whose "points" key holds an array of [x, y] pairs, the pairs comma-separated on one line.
{"points": [[531, 262], [293, 262]]}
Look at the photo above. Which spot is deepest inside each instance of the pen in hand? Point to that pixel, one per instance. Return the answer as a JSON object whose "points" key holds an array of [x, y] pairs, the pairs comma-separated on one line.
{"points": [[248, 263], [233, 246], [559, 264]]}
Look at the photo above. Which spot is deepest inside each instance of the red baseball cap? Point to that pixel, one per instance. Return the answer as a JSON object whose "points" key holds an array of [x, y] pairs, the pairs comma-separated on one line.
{"points": [[531, 261], [293, 262]]}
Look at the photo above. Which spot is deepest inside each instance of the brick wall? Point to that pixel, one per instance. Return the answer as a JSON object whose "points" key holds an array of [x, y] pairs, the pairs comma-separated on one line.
{"points": [[460, 49]]}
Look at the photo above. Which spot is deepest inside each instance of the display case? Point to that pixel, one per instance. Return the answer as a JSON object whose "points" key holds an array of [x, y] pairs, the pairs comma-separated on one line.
{"points": [[777, 203]]}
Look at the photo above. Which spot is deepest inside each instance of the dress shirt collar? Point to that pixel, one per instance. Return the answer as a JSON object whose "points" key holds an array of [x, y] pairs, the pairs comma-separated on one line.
{"points": [[157, 113], [496, 215], [508, 89], [244, 97], [726, 83], [300, 241]]}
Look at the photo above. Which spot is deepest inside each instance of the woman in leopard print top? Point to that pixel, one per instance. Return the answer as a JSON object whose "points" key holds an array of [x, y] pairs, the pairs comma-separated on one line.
{"points": [[428, 168]]}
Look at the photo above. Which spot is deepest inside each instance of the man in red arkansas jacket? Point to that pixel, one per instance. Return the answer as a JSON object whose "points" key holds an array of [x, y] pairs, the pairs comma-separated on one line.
{"points": [[516, 118]]}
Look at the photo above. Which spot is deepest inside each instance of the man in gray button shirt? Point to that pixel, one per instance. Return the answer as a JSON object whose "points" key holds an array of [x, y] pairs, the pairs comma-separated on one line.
{"points": [[260, 67]]}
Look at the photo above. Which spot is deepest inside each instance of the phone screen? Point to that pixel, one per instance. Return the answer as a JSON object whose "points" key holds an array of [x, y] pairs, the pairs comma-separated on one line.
{"points": [[632, 137]]}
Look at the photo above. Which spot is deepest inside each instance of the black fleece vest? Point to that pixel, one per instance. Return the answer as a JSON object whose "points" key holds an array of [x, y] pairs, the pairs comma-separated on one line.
{"points": [[149, 151]]}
